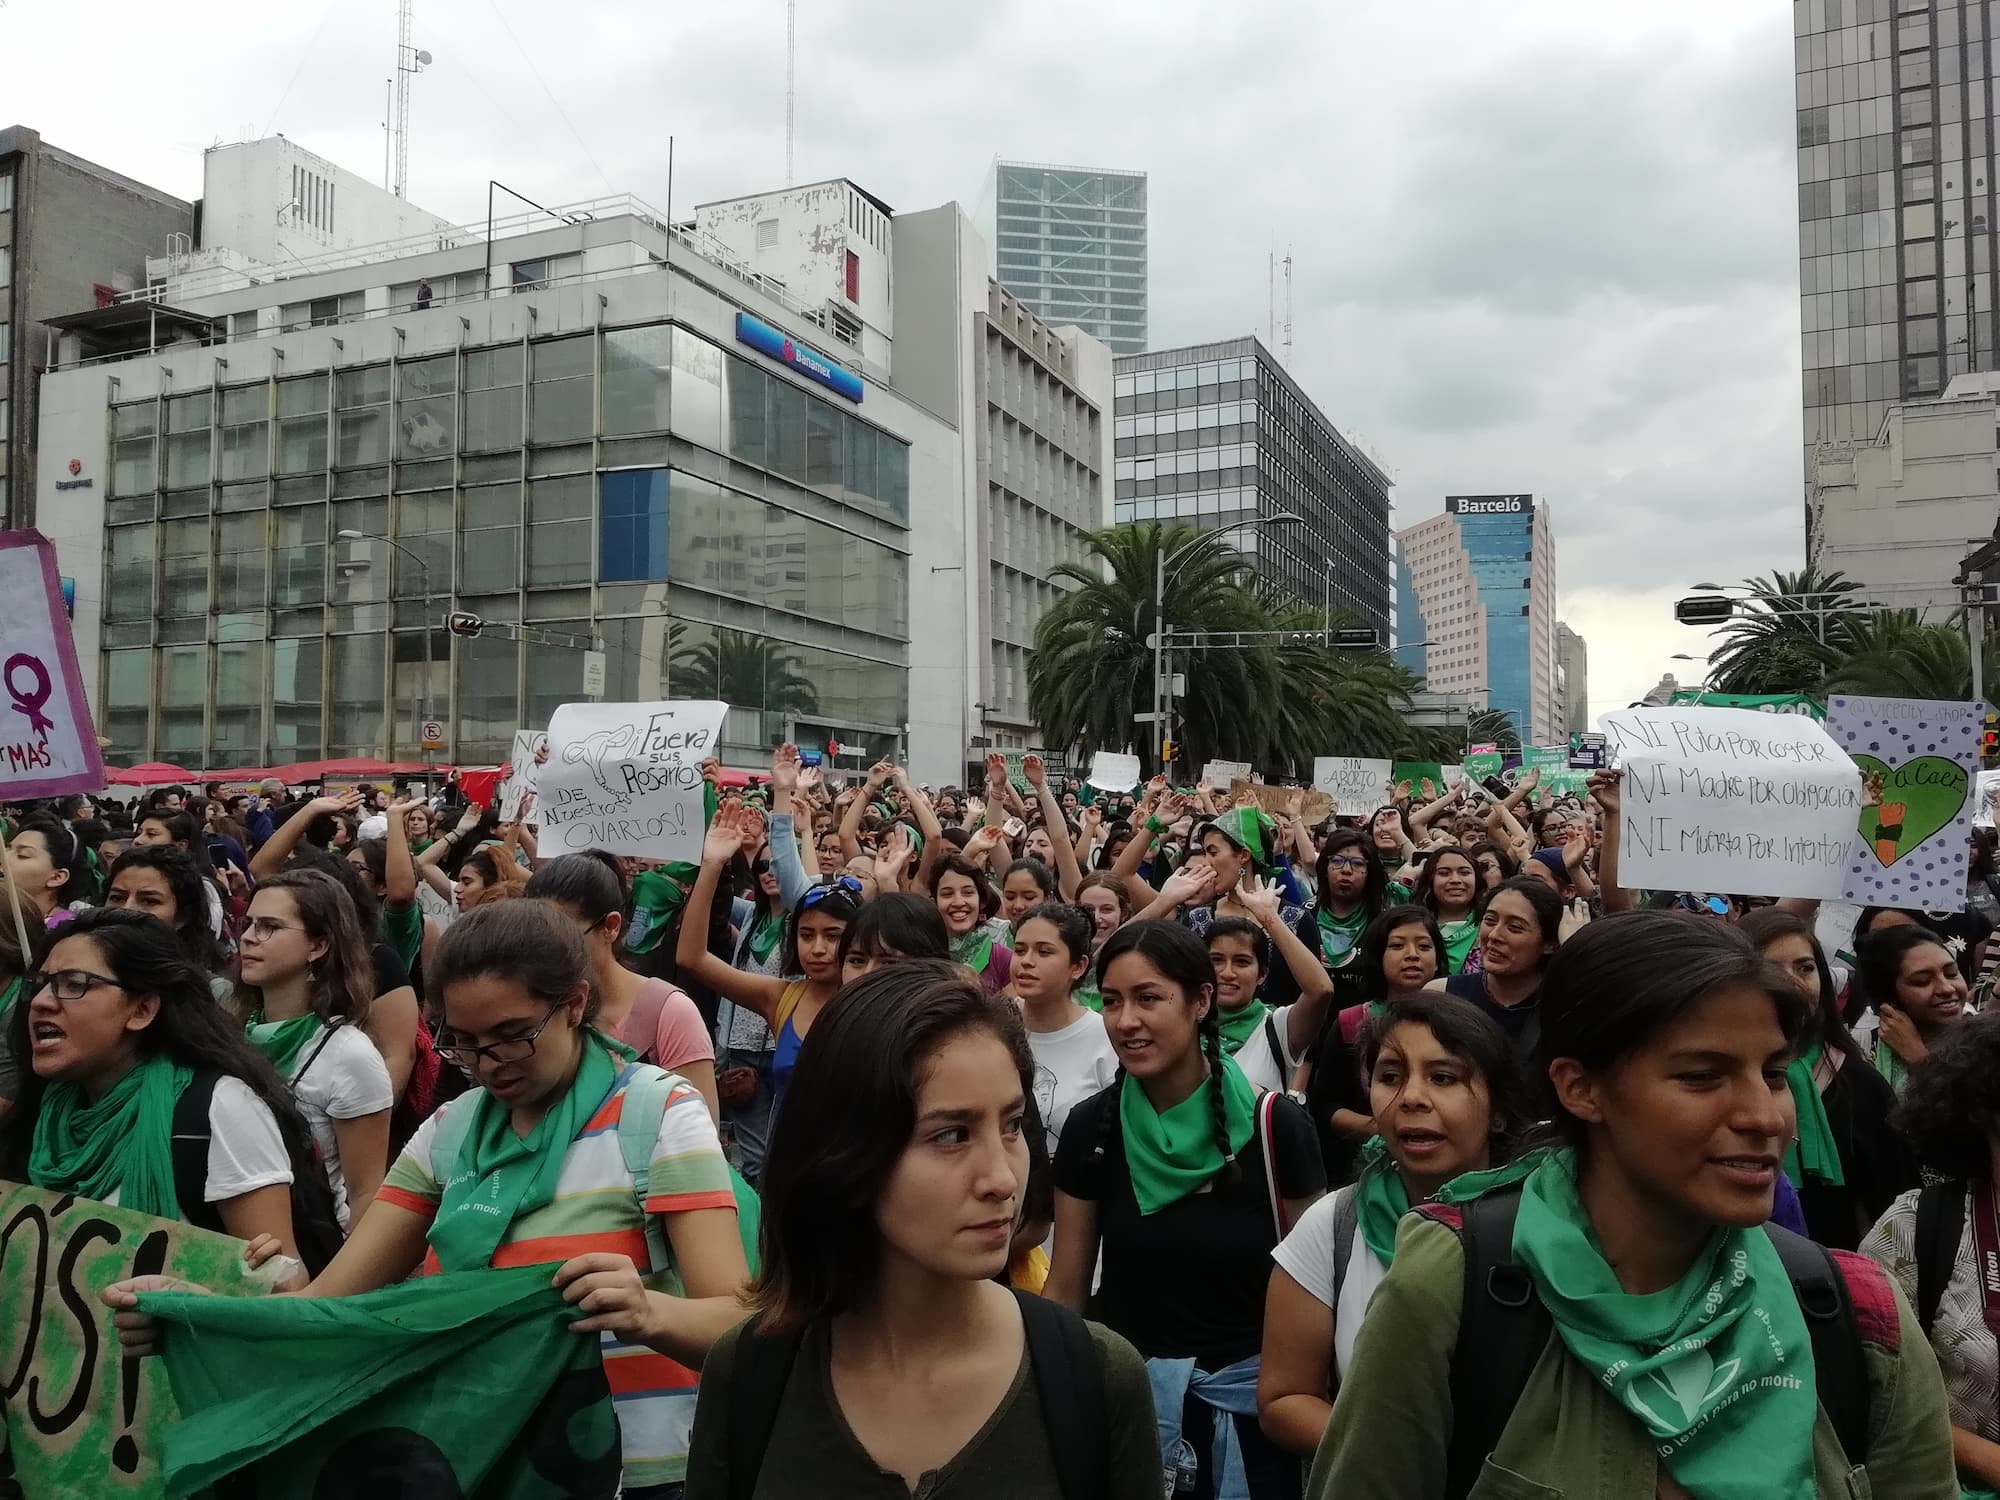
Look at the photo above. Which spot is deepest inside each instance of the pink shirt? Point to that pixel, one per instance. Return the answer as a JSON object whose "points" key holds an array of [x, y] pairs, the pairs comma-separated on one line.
{"points": [[664, 1027]]}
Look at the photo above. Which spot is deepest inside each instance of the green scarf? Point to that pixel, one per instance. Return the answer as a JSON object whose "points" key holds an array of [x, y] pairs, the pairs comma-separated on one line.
{"points": [[764, 934], [656, 896], [1459, 938], [7, 998], [1239, 1025], [282, 1041], [1684, 1360], [1249, 829], [123, 1143], [1338, 935], [1171, 1155], [1889, 1065], [1087, 994], [500, 1175], [1813, 1154], [974, 949], [1381, 1199]]}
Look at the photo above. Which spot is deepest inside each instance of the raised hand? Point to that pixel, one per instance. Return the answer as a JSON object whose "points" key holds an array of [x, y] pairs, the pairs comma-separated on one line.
{"points": [[1036, 773], [1430, 790], [1606, 786], [894, 853], [878, 775], [1260, 899], [785, 769], [724, 839], [1192, 883]]}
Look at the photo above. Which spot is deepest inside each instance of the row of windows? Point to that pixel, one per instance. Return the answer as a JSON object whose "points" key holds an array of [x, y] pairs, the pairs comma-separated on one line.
{"points": [[1209, 418], [1184, 377]]}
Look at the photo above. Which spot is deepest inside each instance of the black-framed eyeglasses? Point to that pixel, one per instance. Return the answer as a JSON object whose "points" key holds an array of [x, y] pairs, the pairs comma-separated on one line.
{"points": [[760, 866], [820, 892], [67, 984], [513, 1049]]}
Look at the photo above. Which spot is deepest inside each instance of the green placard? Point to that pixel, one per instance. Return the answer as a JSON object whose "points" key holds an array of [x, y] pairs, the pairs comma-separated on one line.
{"points": [[74, 1427], [1417, 772], [1770, 703], [1486, 763]]}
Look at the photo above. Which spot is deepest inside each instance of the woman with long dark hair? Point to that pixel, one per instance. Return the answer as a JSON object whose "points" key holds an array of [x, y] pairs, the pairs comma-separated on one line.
{"points": [[882, 1341], [181, 831], [1623, 1324], [15, 963], [1448, 888], [1847, 1162], [45, 861], [895, 926], [1185, 1179], [1353, 890], [1520, 924], [161, 881], [1913, 982], [970, 907]]}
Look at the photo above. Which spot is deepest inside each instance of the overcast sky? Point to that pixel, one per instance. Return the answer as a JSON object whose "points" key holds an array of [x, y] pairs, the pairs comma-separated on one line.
{"points": [[1540, 245]]}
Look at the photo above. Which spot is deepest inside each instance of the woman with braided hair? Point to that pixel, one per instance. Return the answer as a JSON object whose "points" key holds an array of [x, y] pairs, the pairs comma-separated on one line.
{"points": [[1185, 1178]]}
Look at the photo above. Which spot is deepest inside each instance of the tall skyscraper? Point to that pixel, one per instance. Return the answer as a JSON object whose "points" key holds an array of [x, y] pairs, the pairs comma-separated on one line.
{"points": [[1573, 665], [1484, 579], [1897, 263], [1216, 434], [1070, 243]]}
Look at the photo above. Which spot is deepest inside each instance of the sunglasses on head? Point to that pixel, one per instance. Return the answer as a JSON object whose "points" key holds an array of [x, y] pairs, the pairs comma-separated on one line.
{"points": [[825, 888]]}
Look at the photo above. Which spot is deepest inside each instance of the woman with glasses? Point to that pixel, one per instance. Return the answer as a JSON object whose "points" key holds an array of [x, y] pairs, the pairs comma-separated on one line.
{"points": [[305, 997], [1353, 890], [810, 956], [531, 1167], [112, 1030], [658, 1022]]}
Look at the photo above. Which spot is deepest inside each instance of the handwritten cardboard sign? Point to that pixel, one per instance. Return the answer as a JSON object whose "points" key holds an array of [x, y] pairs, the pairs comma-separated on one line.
{"points": [[1918, 760], [626, 778], [48, 746], [1276, 800], [1222, 772], [1355, 783], [1113, 772], [515, 796], [1729, 799], [81, 1421]]}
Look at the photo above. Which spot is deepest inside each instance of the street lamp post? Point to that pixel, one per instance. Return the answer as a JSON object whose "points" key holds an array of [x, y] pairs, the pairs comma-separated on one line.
{"points": [[424, 571], [1163, 561]]}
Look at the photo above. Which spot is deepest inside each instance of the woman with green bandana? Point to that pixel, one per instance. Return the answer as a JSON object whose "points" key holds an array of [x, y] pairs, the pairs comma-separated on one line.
{"points": [[1354, 890], [1268, 1041], [1949, 1112], [306, 988], [971, 910], [1847, 1162], [1675, 1355], [1232, 850], [1445, 1098], [652, 1255], [1185, 1179], [1448, 887], [113, 1029], [1912, 980]]}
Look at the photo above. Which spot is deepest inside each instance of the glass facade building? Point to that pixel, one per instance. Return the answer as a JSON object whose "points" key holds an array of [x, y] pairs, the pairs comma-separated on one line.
{"points": [[724, 531], [1219, 434], [1896, 151], [1070, 242]]}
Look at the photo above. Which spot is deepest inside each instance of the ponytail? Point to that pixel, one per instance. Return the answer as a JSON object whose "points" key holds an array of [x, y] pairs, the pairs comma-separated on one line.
{"points": [[1209, 1038]]}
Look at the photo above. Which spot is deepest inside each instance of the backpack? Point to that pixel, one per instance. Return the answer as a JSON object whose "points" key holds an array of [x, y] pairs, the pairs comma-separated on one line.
{"points": [[1940, 1229], [1503, 1329], [315, 1220], [646, 1091], [1069, 1379], [1346, 1220]]}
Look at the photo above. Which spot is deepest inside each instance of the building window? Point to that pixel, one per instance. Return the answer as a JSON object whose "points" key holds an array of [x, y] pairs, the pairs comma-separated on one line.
{"points": [[559, 515], [361, 416], [767, 234], [302, 415], [493, 399], [561, 406], [632, 527], [638, 364], [853, 277], [6, 191]]}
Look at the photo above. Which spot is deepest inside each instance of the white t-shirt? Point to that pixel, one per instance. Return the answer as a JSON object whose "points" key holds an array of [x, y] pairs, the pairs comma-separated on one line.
{"points": [[1070, 1066], [1306, 1255], [345, 1082], [245, 1151], [1254, 1057]]}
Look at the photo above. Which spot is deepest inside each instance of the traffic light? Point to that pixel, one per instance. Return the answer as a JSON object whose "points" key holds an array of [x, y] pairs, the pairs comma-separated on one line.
{"points": [[1704, 609], [463, 622], [1989, 741], [1168, 751]]}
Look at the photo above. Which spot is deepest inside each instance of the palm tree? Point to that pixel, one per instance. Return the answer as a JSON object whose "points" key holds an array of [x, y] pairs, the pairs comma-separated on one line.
{"points": [[1787, 635], [747, 671], [1315, 700], [1897, 655], [1493, 726]]}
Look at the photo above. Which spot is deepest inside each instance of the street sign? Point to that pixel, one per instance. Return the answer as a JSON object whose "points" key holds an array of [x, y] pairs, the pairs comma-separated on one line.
{"points": [[593, 674], [431, 736]]}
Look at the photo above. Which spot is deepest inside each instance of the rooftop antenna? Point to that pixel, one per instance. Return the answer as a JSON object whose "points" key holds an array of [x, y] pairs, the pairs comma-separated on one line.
{"points": [[410, 61], [388, 134], [1271, 302], [791, 86], [1287, 354]]}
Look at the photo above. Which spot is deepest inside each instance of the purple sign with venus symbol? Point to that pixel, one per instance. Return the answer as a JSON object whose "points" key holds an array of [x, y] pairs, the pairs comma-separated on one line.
{"points": [[48, 745]]}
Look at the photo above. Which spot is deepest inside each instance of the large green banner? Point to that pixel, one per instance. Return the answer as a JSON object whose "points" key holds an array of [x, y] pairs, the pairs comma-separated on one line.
{"points": [[81, 1422], [1768, 703]]}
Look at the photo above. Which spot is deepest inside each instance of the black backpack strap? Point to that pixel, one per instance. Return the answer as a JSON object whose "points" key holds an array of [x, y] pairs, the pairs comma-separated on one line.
{"points": [[1940, 1228], [1346, 1219], [1839, 1369], [1502, 1331], [325, 1036], [1070, 1379], [756, 1388], [190, 1151]]}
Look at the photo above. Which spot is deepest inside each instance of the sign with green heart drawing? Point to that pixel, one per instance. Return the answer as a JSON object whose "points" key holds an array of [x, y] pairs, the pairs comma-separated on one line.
{"points": [[1918, 759]]}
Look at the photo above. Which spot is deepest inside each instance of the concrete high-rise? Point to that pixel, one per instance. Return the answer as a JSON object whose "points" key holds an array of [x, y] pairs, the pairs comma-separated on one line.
{"points": [[1898, 272], [1220, 434], [1070, 243], [1483, 576], [1573, 665]]}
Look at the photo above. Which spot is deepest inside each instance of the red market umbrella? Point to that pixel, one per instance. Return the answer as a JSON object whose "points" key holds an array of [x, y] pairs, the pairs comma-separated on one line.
{"points": [[149, 773]]}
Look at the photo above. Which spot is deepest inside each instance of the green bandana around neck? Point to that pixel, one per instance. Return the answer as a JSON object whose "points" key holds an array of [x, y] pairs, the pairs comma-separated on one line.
{"points": [[764, 934], [1171, 1155], [1889, 1065], [123, 1143], [1248, 828], [656, 896], [1381, 1198], [1239, 1025], [1459, 938], [7, 998], [974, 949], [1717, 1368], [500, 1176], [282, 1041], [1338, 935], [1814, 1154]]}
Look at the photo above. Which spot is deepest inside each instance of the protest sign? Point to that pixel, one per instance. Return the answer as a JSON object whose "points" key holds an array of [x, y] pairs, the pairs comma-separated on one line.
{"points": [[516, 795], [1220, 773], [1833, 925], [1483, 763], [1113, 772], [1355, 784], [1587, 751], [80, 1421], [1416, 773], [1276, 800], [1453, 775], [48, 746], [1917, 760], [1730, 799], [626, 777], [1986, 795], [1764, 703]]}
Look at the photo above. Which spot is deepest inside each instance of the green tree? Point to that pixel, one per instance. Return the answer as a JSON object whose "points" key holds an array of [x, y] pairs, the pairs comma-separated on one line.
{"points": [[1897, 655], [748, 671], [1492, 726], [1787, 635]]}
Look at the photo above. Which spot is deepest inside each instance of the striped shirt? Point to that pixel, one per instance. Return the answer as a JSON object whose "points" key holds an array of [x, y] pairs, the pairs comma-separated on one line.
{"points": [[596, 1210]]}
